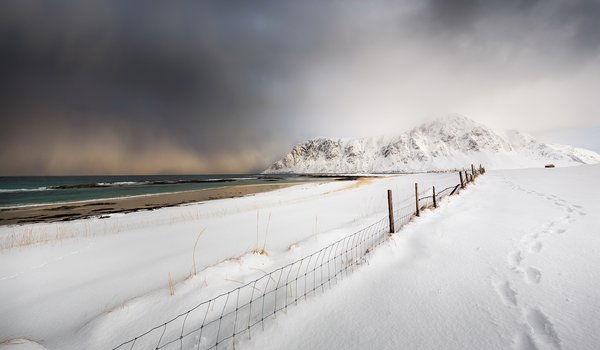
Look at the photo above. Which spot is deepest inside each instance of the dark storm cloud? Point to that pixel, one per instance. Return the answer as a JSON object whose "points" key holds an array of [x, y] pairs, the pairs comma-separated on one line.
{"points": [[204, 86], [579, 19]]}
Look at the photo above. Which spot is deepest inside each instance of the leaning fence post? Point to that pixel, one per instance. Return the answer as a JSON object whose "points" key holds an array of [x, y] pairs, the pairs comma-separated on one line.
{"points": [[391, 212], [434, 201], [462, 184], [417, 199]]}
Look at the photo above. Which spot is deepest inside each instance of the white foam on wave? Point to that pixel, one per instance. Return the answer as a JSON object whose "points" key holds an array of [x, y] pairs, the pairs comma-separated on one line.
{"points": [[9, 190], [121, 183]]}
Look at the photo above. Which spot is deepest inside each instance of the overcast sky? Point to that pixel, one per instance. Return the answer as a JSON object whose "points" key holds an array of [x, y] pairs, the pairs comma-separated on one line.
{"points": [[124, 87]]}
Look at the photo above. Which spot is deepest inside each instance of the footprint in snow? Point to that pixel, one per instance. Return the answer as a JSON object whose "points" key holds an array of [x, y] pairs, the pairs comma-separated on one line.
{"points": [[542, 328], [569, 210], [535, 247], [523, 342], [582, 213], [514, 259], [566, 218], [506, 293], [530, 237], [561, 231], [577, 206], [532, 275]]}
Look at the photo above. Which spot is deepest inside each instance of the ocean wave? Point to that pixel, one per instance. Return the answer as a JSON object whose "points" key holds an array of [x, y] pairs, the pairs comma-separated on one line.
{"points": [[125, 184], [138, 183], [122, 183], [9, 190]]}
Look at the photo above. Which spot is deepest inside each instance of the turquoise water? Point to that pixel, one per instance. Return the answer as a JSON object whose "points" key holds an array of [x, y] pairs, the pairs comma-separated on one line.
{"points": [[28, 190]]}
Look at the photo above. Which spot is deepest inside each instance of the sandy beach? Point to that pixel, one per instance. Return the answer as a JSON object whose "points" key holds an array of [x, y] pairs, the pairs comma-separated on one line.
{"points": [[80, 210]]}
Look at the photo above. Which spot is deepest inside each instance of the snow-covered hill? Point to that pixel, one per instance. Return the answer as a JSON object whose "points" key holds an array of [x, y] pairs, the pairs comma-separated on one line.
{"points": [[446, 143]]}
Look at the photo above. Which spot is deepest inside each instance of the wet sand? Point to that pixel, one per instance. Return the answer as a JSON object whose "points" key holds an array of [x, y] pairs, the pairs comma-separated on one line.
{"points": [[98, 208]]}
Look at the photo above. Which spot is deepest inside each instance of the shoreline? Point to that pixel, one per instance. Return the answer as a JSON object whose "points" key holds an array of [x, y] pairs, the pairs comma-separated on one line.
{"points": [[84, 201], [68, 211]]}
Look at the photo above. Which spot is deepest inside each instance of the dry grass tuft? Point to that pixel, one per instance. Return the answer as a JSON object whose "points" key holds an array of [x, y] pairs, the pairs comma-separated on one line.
{"points": [[266, 232], [363, 181], [194, 271], [23, 237], [355, 184], [260, 251], [171, 286]]}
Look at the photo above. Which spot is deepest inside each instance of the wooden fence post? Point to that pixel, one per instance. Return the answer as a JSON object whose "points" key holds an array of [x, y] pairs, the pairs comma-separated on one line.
{"points": [[466, 177], [434, 201], [473, 171], [454, 190], [417, 199], [462, 184], [391, 212]]}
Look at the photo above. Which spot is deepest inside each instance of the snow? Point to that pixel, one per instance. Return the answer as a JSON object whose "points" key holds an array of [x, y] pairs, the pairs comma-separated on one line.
{"points": [[101, 281], [510, 262], [438, 145]]}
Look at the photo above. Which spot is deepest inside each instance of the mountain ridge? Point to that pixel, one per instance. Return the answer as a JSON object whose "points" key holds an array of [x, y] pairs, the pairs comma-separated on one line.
{"points": [[442, 144]]}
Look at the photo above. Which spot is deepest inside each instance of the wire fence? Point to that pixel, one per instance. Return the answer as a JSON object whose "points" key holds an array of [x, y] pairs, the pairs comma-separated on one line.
{"points": [[219, 323]]}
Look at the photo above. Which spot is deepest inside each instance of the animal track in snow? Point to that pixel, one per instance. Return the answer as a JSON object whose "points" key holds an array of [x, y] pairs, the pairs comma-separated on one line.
{"points": [[542, 328], [561, 231], [532, 275]]}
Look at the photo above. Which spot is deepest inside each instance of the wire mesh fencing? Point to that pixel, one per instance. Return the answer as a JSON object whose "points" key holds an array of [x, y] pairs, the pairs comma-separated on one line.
{"points": [[219, 323], [403, 215], [446, 192]]}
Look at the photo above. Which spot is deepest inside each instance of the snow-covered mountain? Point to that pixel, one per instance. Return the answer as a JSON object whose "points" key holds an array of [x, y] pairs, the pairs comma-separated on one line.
{"points": [[446, 143]]}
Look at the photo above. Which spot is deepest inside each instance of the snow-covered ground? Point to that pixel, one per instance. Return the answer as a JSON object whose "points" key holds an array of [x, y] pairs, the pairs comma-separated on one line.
{"points": [[103, 281], [511, 262]]}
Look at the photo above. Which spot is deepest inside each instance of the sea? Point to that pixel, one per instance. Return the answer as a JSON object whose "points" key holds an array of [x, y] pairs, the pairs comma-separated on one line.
{"points": [[34, 190]]}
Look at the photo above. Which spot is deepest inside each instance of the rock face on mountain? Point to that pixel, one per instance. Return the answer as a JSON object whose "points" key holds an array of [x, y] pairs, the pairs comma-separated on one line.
{"points": [[446, 143]]}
